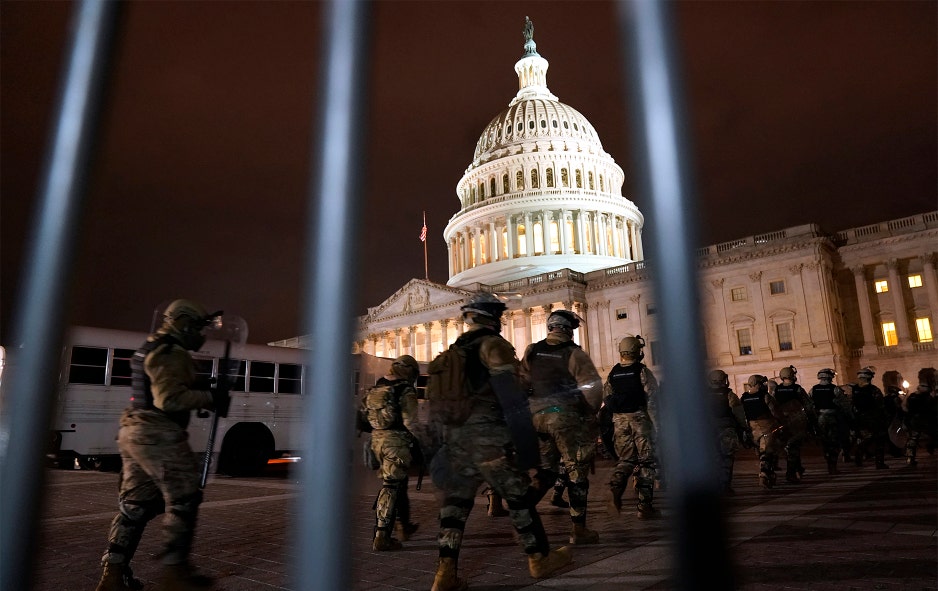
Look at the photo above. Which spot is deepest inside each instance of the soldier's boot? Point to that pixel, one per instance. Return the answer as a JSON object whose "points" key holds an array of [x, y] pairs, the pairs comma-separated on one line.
{"points": [[112, 579], [405, 530], [615, 500], [384, 542], [580, 534], [182, 577], [647, 511], [496, 508], [556, 499], [445, 578], [541, 566]]}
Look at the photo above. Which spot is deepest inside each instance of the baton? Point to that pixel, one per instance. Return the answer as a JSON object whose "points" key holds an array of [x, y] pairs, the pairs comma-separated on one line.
{"points": [[210, 444]]}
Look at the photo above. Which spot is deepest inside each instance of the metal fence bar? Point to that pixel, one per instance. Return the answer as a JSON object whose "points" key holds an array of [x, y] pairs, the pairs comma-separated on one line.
{"points": [[664, 175], [321, 531], [33, 368]]}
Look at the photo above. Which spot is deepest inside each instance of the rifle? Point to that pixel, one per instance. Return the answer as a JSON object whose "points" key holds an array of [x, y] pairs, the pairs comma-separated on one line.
{"points": [[221, 386]]}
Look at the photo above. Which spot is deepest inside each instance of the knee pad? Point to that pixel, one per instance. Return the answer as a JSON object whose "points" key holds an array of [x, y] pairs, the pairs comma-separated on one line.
{"points": [[187, 507], [134, 513]]}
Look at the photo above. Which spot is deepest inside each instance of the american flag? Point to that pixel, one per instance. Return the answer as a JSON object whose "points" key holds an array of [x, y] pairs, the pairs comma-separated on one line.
{"points": [[423, 232]]}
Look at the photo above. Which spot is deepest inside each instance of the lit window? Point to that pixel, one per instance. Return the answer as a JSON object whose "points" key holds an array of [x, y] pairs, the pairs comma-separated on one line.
{"points": [[519, 180], [570, 236], [550, 177], [534, 184], [538, 238], [522, 249], [738, 294], [776, 287], [622, 314], [744, 338], [504, 243], [889, 334], [923, 326], [881, 286], [915, 281], [784, 336], [554, 237]]}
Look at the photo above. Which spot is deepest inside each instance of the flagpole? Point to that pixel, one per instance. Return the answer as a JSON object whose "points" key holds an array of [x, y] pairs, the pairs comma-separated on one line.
{"points": [[426, 268]]}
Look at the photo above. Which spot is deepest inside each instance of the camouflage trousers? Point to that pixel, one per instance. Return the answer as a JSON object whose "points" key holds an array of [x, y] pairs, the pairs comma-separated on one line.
{"points": [[796, 431], [871, 430], [832, 426], [476, 453], [393, 450], [769, 438], [568, 441], [159, 472], [634, 443], [728, 445]]}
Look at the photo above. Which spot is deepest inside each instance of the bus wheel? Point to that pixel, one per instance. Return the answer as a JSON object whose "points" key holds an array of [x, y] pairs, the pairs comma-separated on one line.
{"points": [[245, 450]]}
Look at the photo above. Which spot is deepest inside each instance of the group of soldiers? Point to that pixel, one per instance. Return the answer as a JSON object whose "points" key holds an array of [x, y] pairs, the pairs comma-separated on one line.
{"points": [[566, 404]]}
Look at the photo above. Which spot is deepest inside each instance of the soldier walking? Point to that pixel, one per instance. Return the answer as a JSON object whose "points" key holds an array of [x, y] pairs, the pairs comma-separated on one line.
{"points": [[160, 473], [732, 429], [921, 408], [489, 442], [391, 409], [631, 395], [765, 420], [834, 416], [799, 419], [869, 419], [565, 395]]}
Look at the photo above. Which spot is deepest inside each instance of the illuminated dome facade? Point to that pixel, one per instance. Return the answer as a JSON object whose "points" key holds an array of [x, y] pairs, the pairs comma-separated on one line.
{"points": [[541, 194]]}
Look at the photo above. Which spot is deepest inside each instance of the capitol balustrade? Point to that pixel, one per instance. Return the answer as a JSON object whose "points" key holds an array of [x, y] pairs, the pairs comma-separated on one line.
{"points": [[884, 229]]}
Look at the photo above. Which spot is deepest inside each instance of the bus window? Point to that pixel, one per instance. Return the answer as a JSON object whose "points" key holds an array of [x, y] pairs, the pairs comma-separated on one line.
{"points": [[203, 368], [88, 366], [121, 373], [262, 376], [290, 378], [237, 382]]}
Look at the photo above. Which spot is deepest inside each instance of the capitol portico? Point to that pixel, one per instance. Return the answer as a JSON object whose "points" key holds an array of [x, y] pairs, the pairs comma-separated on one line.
{"points": [[543, 221]]}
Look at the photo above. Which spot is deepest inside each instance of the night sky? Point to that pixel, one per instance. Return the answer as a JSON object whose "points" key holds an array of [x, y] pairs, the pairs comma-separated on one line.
{"points": [[814, 112]]}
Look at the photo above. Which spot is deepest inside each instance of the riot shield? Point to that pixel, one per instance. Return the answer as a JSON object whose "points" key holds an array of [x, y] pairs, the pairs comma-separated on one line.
{"points": [[898, 433]]}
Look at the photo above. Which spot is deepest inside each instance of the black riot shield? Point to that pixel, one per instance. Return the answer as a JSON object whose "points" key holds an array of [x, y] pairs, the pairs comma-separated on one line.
{"points": [[518, 416], [607, 432]]}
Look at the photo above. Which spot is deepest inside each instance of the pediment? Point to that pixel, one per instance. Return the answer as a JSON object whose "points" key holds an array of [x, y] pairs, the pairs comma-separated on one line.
{"points": [[417, 296]]}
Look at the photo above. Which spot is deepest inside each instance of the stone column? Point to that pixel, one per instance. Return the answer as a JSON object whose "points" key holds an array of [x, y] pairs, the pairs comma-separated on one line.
{"points": [[863, 298], [898, 302], [562, 231], [931, 284], [528, 234], [493, 243], [527, 326], [760, 335], [444, 333], [428, 343], [512, 235], [581, 309], [545, 230], [603, 225]]}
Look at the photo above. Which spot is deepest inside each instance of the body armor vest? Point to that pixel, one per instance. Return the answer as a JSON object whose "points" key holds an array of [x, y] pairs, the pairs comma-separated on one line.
{"points": [[786, 394], [140, 381], [721, 405], [476, 373], [864, 398], [628, 393], [550, 373], [397, 389], [755, 406], [823, 396]]}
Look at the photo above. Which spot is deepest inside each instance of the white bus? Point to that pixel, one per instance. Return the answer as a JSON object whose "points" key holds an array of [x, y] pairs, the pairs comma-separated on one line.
{"points": [[263, 423]]}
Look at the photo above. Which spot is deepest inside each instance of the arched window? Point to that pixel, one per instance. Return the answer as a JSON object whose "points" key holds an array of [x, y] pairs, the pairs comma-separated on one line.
{"points": [[533, 178], [472, 251], [519, 180], [472, 199], [481, 191], [505, 188], [550, 177], [602, 185], [504, 243], [538, 238], [554, 237], [492, 186], [564, 178], [592, 187], [579, 179], [522, 246], [483, 248]]}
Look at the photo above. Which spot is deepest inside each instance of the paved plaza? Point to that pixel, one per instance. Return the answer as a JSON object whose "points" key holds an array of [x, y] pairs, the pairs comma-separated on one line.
{"points": [[864, 529]]}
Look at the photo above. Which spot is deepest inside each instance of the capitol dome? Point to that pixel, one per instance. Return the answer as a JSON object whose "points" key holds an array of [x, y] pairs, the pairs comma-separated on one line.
{"points": [[541, 194]]}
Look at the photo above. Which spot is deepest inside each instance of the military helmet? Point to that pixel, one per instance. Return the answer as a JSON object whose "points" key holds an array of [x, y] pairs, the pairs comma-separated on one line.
{"points": [[866, 372], [405, 367], [484, 304], [826, 374], [188, 309], [757, 380], [632, 347], [564, 319], [718, 379], [788, 373], [185, 320]]}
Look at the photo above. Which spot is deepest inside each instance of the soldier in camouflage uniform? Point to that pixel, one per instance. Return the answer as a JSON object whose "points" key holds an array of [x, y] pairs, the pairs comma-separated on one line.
{"points": [[393, 420], [921, 414], [565, 395], [800, 418], [833, 415], [870, 419], [731, 425], [631, 393], [482, 450], [765, 420], [160, 473]]}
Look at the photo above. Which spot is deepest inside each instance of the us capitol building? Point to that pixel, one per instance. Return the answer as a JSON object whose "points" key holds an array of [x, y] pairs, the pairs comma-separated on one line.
{"points": [[542, 217]]}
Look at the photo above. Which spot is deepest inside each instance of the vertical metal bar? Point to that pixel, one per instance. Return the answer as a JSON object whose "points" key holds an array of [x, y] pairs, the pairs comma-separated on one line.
{"points": [[30, 389], [321, 531], [687, 429]]}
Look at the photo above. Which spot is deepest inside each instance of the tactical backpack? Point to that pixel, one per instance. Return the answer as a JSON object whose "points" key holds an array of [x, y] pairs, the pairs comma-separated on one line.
{"points": [[448, 387], [382, 405]]}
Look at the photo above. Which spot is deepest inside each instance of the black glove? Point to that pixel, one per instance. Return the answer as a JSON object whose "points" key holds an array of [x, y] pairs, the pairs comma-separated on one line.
{"points": [[221, 400], [748, 443]]}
